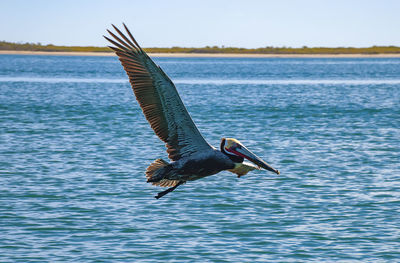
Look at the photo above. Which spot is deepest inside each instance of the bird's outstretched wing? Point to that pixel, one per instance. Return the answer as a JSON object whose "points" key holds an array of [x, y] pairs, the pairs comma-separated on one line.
{"points": [[158, 98]]}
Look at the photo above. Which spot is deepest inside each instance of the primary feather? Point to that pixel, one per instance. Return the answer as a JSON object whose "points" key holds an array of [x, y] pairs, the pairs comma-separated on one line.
{"points": [[158, 98]]}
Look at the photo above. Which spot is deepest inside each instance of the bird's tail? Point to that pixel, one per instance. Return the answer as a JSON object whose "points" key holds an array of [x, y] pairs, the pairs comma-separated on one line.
{"points": [[155, 174]]}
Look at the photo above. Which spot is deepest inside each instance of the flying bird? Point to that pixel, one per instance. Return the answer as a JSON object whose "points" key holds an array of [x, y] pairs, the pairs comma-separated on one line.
{"points": [[191, 156]]}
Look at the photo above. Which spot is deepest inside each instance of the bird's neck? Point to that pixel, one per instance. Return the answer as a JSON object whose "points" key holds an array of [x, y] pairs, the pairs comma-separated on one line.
{"points": [[234, 158]]}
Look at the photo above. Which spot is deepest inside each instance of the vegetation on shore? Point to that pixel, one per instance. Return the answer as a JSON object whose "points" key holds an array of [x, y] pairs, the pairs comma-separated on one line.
{"points": [[213, 50]]}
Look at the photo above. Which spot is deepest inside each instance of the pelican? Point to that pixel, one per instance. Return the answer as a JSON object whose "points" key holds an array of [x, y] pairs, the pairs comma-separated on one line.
{"points": [[191, 156]]}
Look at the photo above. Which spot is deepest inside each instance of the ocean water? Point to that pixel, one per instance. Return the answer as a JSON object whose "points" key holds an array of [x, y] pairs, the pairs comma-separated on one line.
{"points": [[74, 146]]}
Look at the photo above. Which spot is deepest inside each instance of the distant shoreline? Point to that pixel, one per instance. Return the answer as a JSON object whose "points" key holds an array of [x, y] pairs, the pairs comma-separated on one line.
{"points": [[205, 55]]}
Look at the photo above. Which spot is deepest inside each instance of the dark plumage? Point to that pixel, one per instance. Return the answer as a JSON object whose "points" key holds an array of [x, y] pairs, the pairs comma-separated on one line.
{"points": [[192, 157]]}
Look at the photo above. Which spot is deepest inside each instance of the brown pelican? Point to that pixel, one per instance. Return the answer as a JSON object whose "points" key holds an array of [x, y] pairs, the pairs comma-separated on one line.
{"points": [[192, 157]]}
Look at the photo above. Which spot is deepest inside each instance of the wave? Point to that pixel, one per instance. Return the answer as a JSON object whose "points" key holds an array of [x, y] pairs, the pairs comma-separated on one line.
{"points": [[214, 81]]}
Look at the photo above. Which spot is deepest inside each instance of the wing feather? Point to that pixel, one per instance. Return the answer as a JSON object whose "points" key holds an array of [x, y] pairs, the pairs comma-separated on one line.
{"points": [[158, 98]]}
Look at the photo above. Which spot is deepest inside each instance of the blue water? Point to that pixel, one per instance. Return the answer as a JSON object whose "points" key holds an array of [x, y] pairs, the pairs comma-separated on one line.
{"points": [[74, 146]]}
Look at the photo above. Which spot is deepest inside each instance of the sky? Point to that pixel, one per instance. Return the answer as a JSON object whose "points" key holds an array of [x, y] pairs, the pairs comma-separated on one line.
{"points": [[248, 24]]}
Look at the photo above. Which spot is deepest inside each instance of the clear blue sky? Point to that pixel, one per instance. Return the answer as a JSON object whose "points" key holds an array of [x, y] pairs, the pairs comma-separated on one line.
{"points": [[205, 22]]}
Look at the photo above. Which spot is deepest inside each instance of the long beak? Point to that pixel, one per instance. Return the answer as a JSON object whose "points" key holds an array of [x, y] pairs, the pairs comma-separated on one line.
{"points": [[246, 153]]}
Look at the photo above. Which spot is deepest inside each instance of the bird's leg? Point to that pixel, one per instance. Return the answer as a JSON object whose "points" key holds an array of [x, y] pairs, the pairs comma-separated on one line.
{"points": [[161, 194]]}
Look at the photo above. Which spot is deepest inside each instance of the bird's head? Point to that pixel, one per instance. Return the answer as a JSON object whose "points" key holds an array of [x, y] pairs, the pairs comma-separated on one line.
{"points": [[238, 152]]}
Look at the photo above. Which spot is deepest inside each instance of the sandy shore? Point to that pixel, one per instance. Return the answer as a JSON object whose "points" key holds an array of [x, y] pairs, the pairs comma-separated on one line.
{"points": [[181, 55]]}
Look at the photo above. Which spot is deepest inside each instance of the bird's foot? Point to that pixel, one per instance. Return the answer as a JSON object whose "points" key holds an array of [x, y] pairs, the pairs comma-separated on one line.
{"points": [[161, 194]]}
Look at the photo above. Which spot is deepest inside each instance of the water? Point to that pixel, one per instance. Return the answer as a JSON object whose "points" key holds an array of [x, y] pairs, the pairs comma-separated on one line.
{"points": [[74, 146]]}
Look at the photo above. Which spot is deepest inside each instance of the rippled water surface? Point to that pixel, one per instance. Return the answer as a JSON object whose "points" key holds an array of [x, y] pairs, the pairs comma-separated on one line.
{"points": [[74, 146]]}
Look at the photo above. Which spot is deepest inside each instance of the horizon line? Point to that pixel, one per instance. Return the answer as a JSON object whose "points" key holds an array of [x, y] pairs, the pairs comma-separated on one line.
{"points": [[2, 42]]}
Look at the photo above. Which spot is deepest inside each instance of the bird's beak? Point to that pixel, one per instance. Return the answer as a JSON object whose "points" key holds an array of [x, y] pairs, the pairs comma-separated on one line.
{"points": [[246, 153]]}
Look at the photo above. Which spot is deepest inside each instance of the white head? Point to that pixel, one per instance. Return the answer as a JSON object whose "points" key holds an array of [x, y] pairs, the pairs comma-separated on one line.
{"points": [[239, 152]]}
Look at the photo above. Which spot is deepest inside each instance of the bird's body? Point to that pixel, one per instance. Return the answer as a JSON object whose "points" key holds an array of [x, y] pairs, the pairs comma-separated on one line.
{"points": [[192, 158], [197, 166]]}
